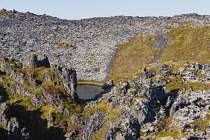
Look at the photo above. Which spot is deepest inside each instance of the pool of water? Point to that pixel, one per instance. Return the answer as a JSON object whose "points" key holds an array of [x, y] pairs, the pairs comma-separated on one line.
{"points": [[88, 91]]}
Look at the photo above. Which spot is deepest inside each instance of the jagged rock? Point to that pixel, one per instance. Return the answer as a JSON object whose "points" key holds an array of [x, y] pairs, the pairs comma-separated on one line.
{"points": [[4, 106], [13, 129], [51, 99], [178, 104], [33, 61], [124, 87], [163, 71], [108, 85], [11, 124], [208, 131], [3, 120], [3, 59], [195, 138], [47, 77], [2, 79], [36, 100], [161, 115], [74, 119], [71, 135], [19, 89], [6, 68], [19, 77], [95, 121], [63, 110], [133, 84], [196, 66], [190, 73], [44, 62], [68, 82], [145, 75], [3, 114], [50, 119], [147, 129], [25, 134], [32, 81], [66, 112], [60, 109]]}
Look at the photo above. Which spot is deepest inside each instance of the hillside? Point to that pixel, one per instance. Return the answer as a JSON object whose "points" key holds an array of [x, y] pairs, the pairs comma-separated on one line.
{"points": [[182, 43], [156, 72], [86, 45]]}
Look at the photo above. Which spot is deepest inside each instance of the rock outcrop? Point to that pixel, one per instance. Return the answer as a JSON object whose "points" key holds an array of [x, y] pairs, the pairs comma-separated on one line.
{"points": [[11, 124], [35, 86], [33, 61]]}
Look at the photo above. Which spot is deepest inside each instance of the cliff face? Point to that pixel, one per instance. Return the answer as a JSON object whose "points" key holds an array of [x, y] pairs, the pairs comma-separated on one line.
{"points": [[29, 92], [85, 45]]}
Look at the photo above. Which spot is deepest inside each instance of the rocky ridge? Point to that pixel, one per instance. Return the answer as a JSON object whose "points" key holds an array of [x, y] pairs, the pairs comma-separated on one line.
{"points": [[86, 45]]}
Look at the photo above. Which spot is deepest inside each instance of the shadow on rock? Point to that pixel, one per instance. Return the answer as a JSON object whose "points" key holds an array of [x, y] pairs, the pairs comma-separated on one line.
{"points": [[3, 94], [3, 134], [36, 126]]}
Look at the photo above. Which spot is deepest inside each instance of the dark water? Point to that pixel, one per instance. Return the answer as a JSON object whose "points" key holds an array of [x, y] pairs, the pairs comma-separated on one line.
{"points": [[88, 91]]}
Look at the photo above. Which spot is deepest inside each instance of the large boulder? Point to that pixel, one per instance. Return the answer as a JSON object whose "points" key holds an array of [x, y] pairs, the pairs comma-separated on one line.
{"points": [[33, 61]]}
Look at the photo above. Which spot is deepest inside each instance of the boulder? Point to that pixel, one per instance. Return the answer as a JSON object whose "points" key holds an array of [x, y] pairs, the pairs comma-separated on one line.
{"points": [[33, 62]]}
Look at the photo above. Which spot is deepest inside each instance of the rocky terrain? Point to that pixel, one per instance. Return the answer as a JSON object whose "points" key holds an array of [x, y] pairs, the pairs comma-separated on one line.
{"points": [[85, 45], [38, 102], [160, 67]]}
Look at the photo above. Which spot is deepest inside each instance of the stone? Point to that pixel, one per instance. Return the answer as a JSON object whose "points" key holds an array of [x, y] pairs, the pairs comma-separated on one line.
{"points": [[108, 85], [66, 112], [71, 135], [32, 61], [163, 71], [36, 100], [51, 99], [32, 81], [60, 109], [25, 134], [19, 77], [13, 129]]}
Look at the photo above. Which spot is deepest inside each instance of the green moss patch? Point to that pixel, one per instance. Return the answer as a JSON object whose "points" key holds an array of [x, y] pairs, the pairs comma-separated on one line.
{"points": [[179, 86], [186, 43], [132, 56]]}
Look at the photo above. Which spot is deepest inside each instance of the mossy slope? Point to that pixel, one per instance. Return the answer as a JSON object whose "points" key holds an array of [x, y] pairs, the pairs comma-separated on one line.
{"points": [[132, 56]]}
